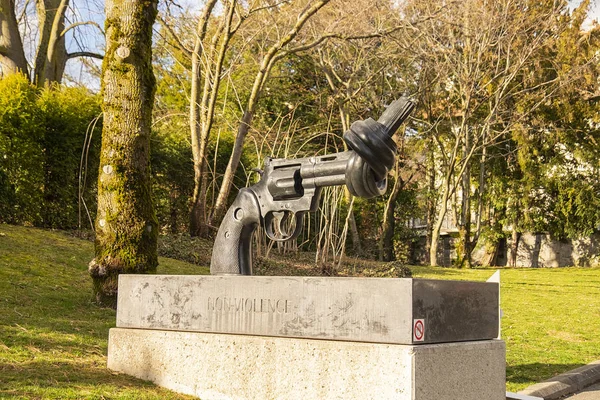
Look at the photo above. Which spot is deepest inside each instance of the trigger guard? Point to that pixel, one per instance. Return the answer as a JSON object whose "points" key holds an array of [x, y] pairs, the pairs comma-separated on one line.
{"points": [[269, 227]]}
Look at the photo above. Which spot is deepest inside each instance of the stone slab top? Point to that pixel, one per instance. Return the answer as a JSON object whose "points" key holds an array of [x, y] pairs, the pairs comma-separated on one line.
{"points": [[379, 310]]}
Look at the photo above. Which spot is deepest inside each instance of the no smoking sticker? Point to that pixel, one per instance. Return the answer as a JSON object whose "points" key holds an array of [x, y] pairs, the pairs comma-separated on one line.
{"points": [[418, 330]]}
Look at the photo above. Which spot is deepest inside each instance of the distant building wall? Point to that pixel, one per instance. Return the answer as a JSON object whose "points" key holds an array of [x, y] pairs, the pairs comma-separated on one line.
{"points": [[535, 251], [446, 251], [541, 250]]}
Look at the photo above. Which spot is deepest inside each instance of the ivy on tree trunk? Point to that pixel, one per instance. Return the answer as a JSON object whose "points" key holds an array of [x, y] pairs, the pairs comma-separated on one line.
{"points": [[126, 225]]}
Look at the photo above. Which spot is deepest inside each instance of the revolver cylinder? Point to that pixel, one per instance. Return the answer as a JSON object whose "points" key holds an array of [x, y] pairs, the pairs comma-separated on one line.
{"points": [[290, 178]]}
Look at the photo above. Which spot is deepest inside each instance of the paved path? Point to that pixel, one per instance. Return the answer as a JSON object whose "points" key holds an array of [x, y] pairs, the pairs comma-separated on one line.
{"points": [[590, 393]]}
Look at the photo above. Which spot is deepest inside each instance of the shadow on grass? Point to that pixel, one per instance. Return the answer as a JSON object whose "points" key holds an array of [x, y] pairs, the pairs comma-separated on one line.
{"points": [[72, 314], [56, 374], [532, 373], [50, 341], [23, 379], [466, 273], [553, 285]]}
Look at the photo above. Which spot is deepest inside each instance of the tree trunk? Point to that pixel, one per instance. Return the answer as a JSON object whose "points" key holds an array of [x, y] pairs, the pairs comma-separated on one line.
{"points": [[173, 214], [234, 160], [514, 247], [126, 225], [535, 254], [494, 245], [439, 221], [430, 201], [12, 56], [51, 55], [198, 211], [491, 253], [386, 243], [481, 194], [212, 82], [356, 243], [354, 235], [273, 54], [463, 253]]}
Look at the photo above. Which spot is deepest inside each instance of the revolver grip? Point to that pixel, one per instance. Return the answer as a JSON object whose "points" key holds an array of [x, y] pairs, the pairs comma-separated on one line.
{"points": [[232, 253]]}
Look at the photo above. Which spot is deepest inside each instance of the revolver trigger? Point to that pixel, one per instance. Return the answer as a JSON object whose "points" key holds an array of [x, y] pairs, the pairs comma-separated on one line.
{"points": [[275, 223], [282, 220]]}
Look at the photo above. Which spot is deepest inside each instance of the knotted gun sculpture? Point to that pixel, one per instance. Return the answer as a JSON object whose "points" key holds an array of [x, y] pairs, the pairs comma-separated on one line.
{"points": [[291, 188]]}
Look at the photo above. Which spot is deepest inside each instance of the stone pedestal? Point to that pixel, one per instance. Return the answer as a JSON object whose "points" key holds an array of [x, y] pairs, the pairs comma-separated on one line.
{"points": [[235, 337], [378, 310], [221, 366]]}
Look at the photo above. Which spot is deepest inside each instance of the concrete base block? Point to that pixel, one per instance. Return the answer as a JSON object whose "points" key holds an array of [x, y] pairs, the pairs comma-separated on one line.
{"points": [[218, 366]]}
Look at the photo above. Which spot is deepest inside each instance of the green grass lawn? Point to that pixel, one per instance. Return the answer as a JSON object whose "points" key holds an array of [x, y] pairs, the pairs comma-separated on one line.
{"points": [[53, 339]]}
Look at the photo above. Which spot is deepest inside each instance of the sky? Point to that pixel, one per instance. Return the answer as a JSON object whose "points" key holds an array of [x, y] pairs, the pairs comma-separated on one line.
{"points": [[595, 9], [90, 39]]}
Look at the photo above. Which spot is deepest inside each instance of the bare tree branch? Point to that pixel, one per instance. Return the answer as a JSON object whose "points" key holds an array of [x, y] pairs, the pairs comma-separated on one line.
{"points": [[177, 41], [84, 54], [76, 24]]}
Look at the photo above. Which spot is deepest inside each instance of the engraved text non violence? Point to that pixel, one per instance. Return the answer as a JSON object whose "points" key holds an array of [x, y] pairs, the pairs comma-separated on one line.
{"points": [[248, 305]]}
